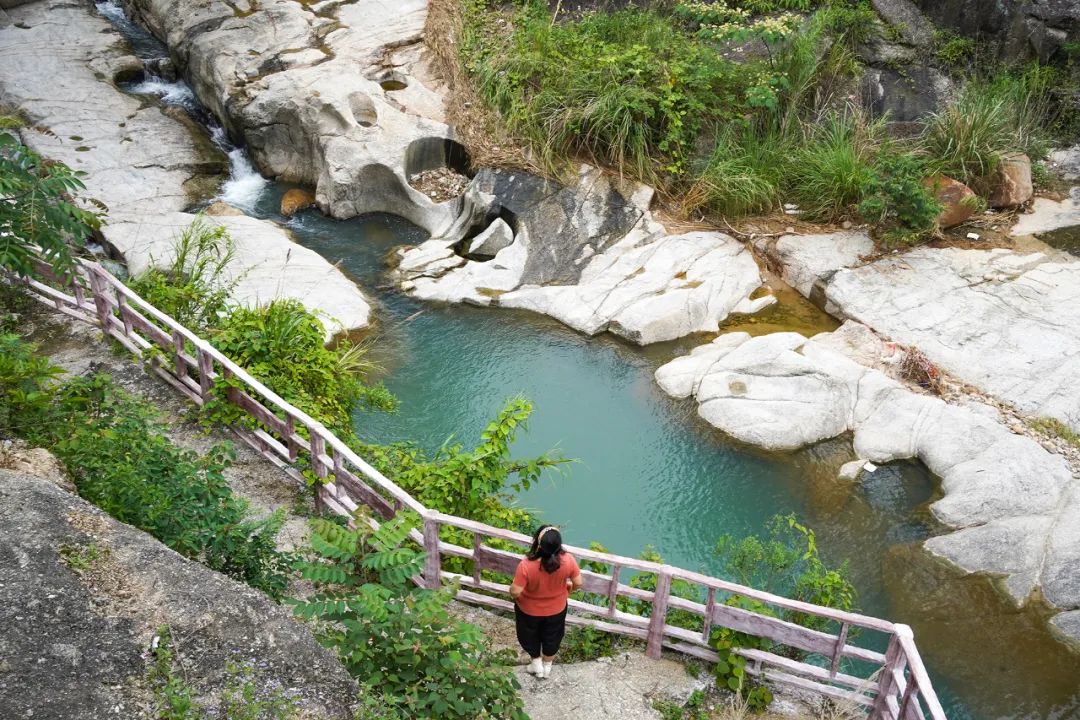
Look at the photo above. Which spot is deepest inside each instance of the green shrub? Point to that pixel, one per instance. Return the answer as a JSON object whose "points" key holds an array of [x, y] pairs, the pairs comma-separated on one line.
{"points": [[897, 199], [739, 178], [281, 345], [1011, 112], [121, 460], [469, 483], [398, 639], [952, 49], [195, 288], [832, 170]]}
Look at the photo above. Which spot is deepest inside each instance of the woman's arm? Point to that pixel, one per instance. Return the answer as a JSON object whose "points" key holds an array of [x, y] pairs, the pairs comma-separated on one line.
{"points": [[572, 584], [515, 591]]}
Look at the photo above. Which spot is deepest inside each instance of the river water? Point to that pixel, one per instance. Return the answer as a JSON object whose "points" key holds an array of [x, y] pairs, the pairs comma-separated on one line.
{"points": [[647, 470]]}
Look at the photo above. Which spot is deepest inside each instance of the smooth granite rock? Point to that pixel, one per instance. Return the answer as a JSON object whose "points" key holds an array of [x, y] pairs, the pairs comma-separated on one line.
{"points": [[145, 165], [1012, 503], [1006, 322], [805, 261]]}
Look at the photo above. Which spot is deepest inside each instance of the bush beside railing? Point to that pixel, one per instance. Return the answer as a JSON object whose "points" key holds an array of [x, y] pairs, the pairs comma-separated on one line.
{"points": [[896, 688]]}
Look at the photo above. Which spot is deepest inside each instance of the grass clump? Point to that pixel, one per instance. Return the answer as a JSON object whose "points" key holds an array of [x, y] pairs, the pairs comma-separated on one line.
{"points": [[1056, 428]]}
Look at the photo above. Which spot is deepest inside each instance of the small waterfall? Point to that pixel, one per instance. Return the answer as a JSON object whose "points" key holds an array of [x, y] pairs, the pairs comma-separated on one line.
{"points": [[244, 185], [171, 93]]}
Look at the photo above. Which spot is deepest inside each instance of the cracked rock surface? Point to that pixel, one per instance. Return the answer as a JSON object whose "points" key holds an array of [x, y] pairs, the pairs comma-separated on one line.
{"points": [[1012, 504], [1006, 322], [75, 640], [145, 165]]}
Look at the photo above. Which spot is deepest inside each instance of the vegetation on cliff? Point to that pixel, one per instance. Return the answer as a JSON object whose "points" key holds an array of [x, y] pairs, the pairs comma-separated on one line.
{"points": [[740, 107]]}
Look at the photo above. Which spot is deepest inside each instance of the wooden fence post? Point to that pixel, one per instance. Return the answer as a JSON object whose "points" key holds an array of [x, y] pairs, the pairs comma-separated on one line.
{"points": [[206, 365], [658, 619], [432, 559], [894, 658], [98, 288]]}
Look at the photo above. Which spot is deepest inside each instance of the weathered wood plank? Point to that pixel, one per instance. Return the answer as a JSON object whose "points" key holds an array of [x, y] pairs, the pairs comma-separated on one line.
{"points": [[918, 672], [613, 590], [820, 688], [432, 561], [658, 619], [796, 667]]}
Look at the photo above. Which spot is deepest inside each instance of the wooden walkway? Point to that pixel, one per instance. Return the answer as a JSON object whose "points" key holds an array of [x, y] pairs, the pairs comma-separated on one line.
{"points": [[889, 686]]}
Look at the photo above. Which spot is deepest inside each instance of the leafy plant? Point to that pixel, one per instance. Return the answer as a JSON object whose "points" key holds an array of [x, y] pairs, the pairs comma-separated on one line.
{"points": [[897, 197], [952, 49], [582, 644], [38, 217], [831, 171], [195, 288], [469, 483], [281, 345], [397, 638]]}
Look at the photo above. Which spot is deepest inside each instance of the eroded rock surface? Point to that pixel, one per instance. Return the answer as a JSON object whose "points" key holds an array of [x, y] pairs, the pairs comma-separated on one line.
{"points": [[83, 595], [1006, 322], [144, 164], [589, 255], [1013, 503], [336, 96]]}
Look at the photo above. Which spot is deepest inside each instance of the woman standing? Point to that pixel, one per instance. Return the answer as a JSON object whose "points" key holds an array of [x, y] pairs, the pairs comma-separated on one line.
{"points": [[542, 585]]}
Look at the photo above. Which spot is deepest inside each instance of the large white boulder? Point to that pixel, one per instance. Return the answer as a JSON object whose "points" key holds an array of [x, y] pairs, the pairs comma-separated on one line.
{"points": [[1013, 504], [806, 260], [1006, 322]]}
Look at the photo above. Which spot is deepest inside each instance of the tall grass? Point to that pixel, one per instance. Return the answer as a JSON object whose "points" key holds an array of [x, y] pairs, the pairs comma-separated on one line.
{"points": [[832, 168], [988, 119]]}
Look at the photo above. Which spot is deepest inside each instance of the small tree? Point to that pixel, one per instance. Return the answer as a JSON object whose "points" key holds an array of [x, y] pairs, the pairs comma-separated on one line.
{"points": [[38, 218]]}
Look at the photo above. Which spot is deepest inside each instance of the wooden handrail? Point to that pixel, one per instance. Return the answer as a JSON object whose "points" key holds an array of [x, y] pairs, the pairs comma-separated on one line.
{"points": [[900, 693]]}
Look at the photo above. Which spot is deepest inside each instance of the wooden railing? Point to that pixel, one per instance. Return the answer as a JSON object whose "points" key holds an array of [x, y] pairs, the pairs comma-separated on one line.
{"points": [[892, 686]]}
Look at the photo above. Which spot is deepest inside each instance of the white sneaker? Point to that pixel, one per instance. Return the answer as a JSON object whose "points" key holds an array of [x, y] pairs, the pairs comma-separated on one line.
{"points": [[536, 667], [546, 670]]}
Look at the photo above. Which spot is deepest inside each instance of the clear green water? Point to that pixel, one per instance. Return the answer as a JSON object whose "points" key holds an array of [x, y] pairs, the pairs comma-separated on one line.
{"points": [[649, 471]]}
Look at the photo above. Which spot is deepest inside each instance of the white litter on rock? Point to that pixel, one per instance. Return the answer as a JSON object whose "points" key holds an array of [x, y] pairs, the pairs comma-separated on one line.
{"points": [[869, 467]]}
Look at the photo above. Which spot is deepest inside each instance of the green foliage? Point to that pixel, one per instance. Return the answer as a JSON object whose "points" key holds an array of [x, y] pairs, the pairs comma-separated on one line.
{"points": [[82, 557], [241, 698], [581, 644], [1010, 112], [787, 562], [396, 638], [122, 461], [38, 217], [953, 50], [831, 171], [897, 198], [628, 88], [281, 345], [1056, 428], [25, 386], [194, 289], [469, 483]]}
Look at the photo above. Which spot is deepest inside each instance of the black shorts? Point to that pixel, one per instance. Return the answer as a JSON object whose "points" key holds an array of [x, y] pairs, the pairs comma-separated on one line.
{"points": [[538, 633]]}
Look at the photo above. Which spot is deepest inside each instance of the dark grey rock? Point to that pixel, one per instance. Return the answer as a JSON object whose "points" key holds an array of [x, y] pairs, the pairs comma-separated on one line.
{"points": [[563, 221], [1012, 29], [72, 645], [905, 95], [906, 19]]}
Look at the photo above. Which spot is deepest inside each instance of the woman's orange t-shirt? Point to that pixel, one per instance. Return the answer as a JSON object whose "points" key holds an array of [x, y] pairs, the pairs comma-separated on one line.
{"points": [[544, 593]]}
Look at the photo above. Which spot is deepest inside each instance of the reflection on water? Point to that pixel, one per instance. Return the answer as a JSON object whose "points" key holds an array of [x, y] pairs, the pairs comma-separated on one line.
{"points": [[1067, 239], [649, 470]]}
